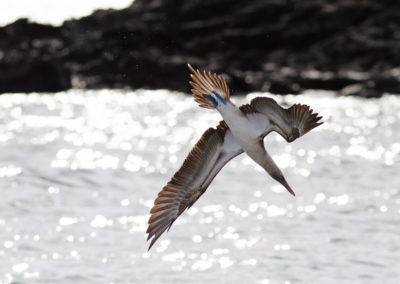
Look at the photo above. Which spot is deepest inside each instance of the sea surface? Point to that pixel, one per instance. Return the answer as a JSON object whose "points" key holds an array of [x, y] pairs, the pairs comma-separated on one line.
{"points": [[79, 171]]}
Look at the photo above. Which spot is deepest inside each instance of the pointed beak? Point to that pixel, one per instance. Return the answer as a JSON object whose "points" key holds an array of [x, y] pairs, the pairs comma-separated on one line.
{"points": [[289, 188], [283, 182]]}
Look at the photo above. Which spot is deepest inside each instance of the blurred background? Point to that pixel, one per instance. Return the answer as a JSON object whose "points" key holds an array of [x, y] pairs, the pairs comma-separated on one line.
{"points": [[283, 47], [96, 116]]}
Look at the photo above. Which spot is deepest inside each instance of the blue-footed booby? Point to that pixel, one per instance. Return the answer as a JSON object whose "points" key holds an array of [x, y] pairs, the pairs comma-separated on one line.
{"points": [[242, 130]]}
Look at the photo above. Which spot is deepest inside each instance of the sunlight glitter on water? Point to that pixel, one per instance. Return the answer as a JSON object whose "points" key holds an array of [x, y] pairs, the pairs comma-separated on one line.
{"points": [[79, 172]]}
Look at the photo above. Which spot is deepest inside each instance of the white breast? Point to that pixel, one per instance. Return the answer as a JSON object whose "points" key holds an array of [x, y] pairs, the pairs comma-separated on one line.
{"points": [[242, 128]]}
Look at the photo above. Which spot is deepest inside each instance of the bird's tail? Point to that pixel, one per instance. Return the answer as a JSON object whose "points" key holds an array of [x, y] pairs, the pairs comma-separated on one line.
{"points": [[207, 87]]}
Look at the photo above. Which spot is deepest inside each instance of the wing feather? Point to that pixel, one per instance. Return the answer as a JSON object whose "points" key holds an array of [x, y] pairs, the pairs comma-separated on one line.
{"points": [[290, 123], [214, 149]]}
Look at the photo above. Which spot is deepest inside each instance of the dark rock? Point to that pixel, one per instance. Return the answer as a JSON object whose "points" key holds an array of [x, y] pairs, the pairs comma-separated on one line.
{"points": [[29, 61], [277, 46], [34, 76], [24, 29], [360, 90], [284, 87]]}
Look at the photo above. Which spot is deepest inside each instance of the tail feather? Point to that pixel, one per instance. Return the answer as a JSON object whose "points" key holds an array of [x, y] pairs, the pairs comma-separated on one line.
{"points": [[204, 85]]}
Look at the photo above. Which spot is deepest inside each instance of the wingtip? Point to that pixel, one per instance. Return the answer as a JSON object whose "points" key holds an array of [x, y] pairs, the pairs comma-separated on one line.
{"points": [[151, 244], [153, 241]]}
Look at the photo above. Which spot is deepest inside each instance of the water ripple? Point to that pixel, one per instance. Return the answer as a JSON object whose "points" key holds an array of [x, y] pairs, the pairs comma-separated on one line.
{"points": [[79, 171]]}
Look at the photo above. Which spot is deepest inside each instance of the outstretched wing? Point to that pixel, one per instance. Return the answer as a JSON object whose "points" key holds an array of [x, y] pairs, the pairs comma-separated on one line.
{"points": [[290, 123], [214, 149]]}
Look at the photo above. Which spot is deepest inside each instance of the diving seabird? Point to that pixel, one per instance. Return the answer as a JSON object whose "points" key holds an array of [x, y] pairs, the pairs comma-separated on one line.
{"points": [[242, 130]]}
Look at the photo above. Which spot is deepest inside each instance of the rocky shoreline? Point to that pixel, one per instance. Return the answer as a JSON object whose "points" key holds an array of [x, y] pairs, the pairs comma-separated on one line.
{"points": [[283, 47]]}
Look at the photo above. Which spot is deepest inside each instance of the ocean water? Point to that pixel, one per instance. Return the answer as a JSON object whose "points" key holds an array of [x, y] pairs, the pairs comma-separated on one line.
{"points": [[79, 171]]}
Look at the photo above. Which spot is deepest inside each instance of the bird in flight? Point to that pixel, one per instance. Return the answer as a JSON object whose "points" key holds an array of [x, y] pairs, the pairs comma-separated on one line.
{"points": [[242, 130]]}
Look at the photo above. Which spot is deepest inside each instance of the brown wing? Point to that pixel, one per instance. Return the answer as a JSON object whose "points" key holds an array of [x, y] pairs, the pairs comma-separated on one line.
{"points": [[290, 123], [214, 149]]}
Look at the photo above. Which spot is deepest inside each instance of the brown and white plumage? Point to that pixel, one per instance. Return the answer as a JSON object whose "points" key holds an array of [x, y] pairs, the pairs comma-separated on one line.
{"points": [[242, 130], [214, 149]]}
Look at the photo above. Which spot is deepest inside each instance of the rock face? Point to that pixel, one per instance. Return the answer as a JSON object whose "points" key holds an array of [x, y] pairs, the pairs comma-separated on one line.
{"points": [[279, 46], [29, 61]]}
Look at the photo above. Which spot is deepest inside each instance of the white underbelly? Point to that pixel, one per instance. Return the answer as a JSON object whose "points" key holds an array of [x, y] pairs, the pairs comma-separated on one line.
{"points": [[241, 127], [243, 131]]}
